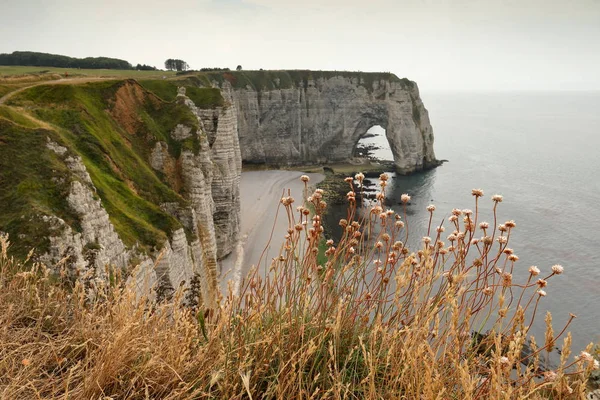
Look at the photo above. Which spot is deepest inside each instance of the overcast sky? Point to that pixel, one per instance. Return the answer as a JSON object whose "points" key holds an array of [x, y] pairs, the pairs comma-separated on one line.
{"points": [[443, 45]]}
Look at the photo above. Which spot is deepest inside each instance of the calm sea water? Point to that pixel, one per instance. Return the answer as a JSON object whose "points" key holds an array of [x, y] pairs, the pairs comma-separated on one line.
{"points": [[541, 151]]}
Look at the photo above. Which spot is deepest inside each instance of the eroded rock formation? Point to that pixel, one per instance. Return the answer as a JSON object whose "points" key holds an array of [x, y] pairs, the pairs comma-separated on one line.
{"points": [[321, 120]]}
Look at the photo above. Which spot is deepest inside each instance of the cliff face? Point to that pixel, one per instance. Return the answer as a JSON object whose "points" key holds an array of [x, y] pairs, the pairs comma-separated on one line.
{"points": [[110, 173], [139, 182], [319, 119]]}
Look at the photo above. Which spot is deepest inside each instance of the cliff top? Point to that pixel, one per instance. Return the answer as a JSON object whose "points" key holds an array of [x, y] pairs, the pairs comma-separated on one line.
{"points": [[285, 79]]}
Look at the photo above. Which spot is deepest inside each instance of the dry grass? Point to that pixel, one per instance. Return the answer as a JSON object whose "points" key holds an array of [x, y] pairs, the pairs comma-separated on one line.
{"points": [[376, 321]]}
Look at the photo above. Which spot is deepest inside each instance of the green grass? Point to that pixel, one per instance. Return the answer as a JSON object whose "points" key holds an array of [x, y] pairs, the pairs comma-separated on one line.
{"points": [[202, 97], [130, 190], [21, 70], [16, 117], [33, 182], [270, 80]]}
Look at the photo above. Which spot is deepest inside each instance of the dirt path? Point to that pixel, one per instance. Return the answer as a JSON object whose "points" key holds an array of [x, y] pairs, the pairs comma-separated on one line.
{"points": [[62, 81], [260, 192]]}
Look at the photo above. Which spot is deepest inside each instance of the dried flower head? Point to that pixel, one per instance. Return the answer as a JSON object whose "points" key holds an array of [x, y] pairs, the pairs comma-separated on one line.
{"points": [[488, 291], [541, 292], [534, 271], [497, 198], [348, 179], [542, 283], [513, 258], [484, 225], [477, 192], [550, 376], [585, 356], [399, 224], [431, 208], [557, 269], [504, 361], [456, 212], [304, 178], [405, 198], [453, 218], [510, 224], [440, 229], [383, 177], [359, 177]]}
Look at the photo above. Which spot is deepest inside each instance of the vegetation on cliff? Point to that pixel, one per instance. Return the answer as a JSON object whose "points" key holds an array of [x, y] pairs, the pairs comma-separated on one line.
{"points": [[373, 320], [113, 126], [286, 79]]}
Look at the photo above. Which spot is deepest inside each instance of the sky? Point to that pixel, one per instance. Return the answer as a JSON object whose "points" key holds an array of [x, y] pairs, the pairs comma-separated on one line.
{"points": [[444, 45]]}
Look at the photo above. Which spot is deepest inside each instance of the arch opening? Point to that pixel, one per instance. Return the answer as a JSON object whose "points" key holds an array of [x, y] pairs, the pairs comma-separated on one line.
{"points": [[374, 146]]}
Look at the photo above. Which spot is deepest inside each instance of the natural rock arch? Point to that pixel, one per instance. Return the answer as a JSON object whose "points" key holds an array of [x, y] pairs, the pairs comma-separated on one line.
{"points": [[321, 121]]}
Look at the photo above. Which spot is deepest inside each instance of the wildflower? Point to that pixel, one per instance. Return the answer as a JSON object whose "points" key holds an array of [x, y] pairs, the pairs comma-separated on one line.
{"points": [[487, 240], [502, 240], [304, 178], [453, 218], [389, 212], [510, 224], [534, 271], [541, 283], [398, 245], [596, 365], [488, 291], [502, 228], [541, 292], [426, 239], [557, 269], [431, 208], [497, 198], [405, 198], [329, 242], [382, 184], [467, 212], [585, 356], [385, 237], [343, 222], [443, 251], [508, 251], [348, 179], [351, 250], [477, 192], [513, 258], [383, 177], [440, 229], [504, 361], [377, 262], [380, 196], [506, 279], [484, 225], [456, 212], [379, 244], [399, 224], [377, 210], [298, 227], [452, 237], [550, 376], [359, 177]]}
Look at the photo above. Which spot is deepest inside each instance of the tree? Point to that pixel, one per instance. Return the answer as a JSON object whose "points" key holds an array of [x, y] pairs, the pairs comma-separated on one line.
{"points": [[176, 64], [239, 68]]}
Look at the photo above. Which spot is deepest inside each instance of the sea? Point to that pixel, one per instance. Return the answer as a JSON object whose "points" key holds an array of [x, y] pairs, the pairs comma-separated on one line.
{"points": [[541, 152]]}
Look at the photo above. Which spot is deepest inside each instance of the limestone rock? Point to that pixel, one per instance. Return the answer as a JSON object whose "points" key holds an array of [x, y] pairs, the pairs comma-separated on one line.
{"points": [[321, 121]]}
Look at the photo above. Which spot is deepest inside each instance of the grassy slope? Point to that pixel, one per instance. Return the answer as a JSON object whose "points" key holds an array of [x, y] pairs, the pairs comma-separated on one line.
{"points": [[115, 158]]}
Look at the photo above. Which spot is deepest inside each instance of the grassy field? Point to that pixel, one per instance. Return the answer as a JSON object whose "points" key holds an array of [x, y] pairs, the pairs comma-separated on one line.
{"points": [[9, 71]]}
